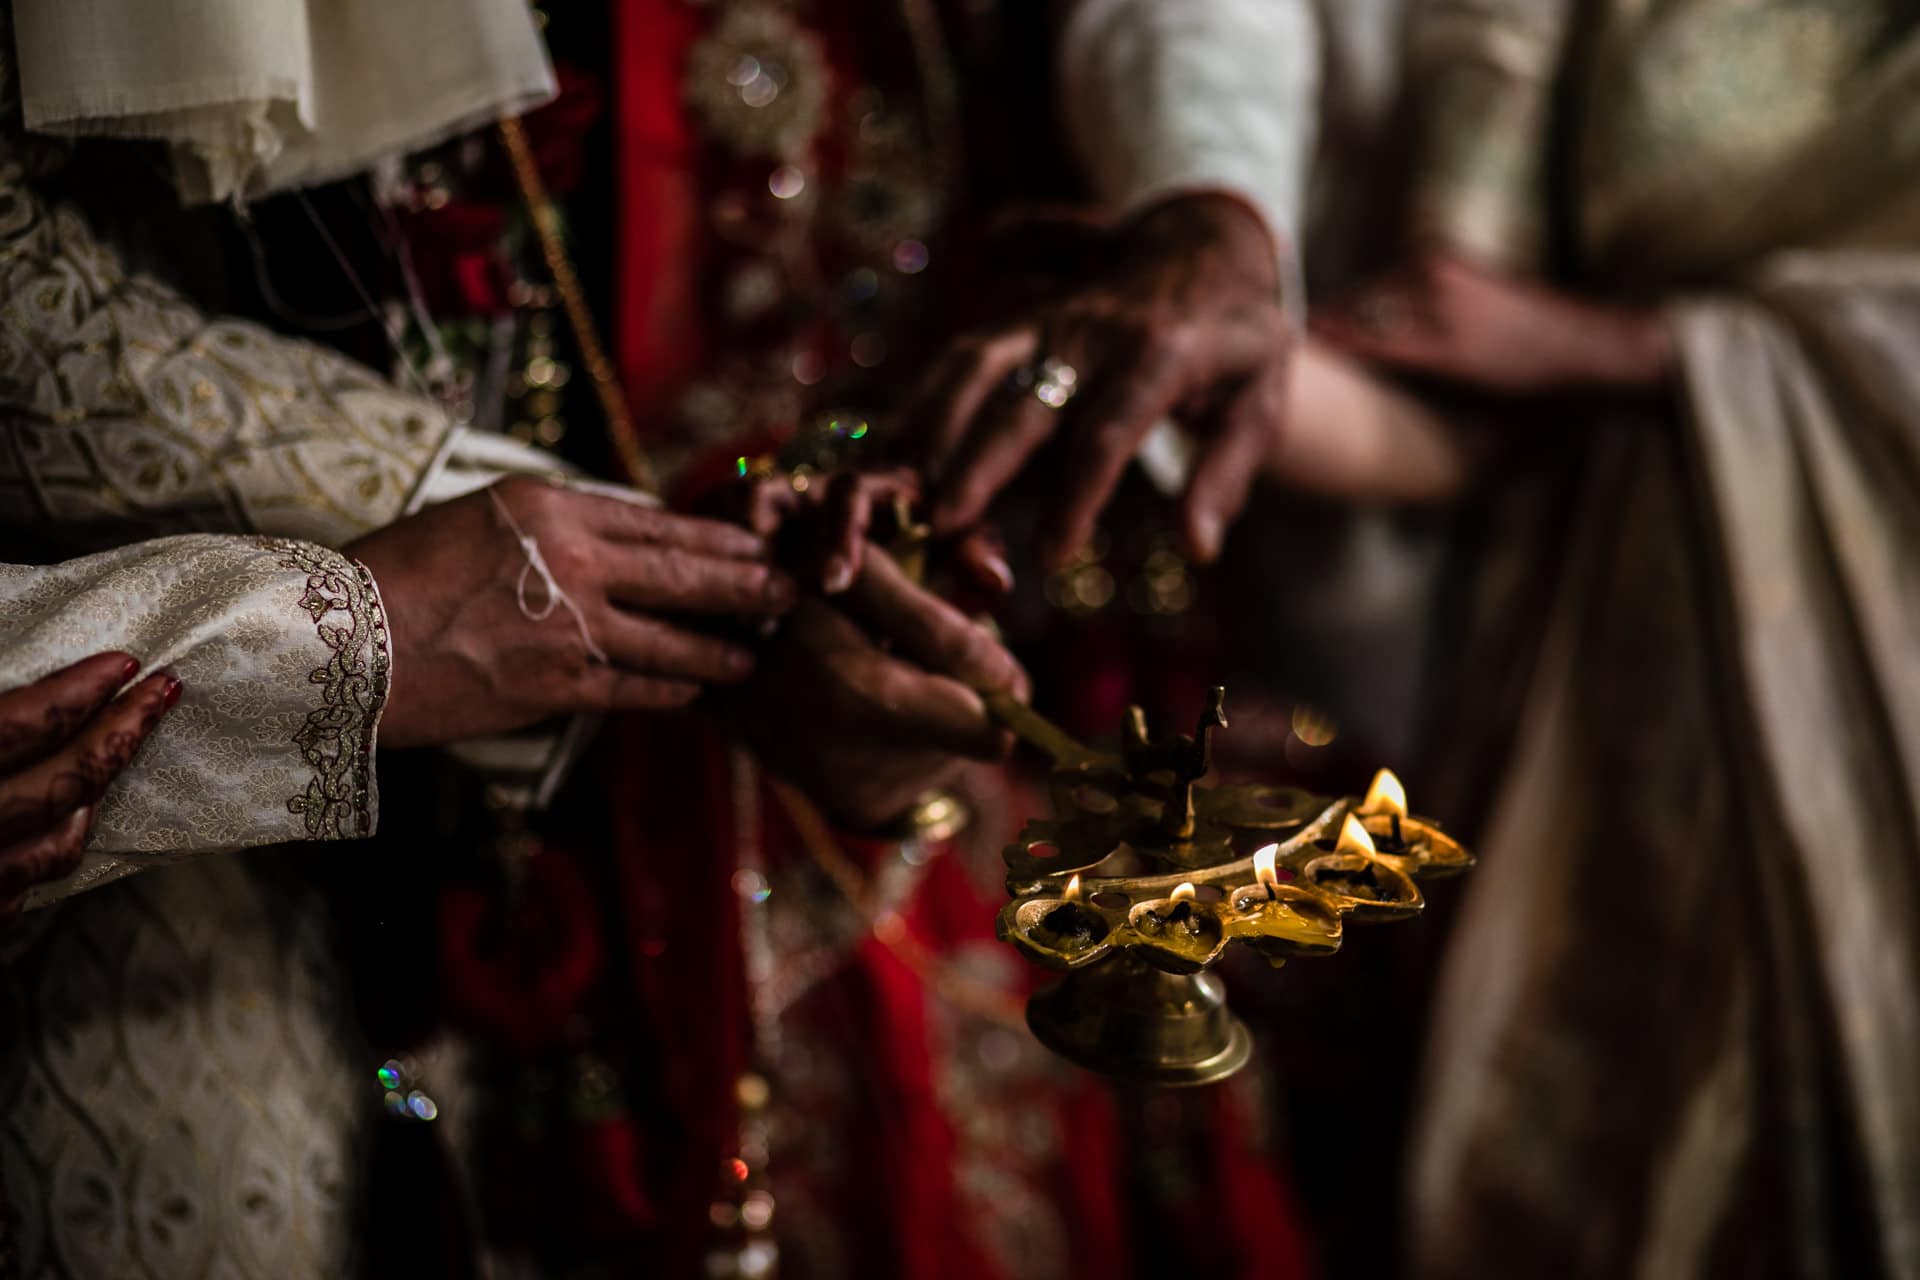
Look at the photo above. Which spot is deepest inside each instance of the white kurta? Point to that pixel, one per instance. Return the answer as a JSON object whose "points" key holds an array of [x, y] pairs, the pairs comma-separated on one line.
{"points": [[183, 1092]]}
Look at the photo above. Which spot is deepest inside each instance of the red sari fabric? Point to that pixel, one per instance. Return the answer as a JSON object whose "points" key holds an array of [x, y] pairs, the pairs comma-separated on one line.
{"points": [[915, 1140]]}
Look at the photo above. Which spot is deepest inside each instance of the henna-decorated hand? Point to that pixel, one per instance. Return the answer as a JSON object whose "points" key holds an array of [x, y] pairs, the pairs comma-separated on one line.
{"points": [[63, 738], [1179, 315], [1446, 318], [468, 661], [867, 701]]}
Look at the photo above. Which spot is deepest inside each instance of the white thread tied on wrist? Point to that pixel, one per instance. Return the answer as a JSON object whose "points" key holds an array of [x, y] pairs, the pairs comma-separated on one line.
{"points": [[557, 597]]}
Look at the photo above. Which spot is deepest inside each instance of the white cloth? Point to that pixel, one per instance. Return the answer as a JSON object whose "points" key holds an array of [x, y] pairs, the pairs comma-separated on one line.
{"points": [[261, 95], [1165, 96], [1283, 103]]}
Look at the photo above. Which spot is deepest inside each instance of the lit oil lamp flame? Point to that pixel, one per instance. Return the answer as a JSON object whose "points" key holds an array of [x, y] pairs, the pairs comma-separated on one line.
{"points": [[1073, 889], [1264, 859], [1385, 795], [1183, 892], [1354, 838]]}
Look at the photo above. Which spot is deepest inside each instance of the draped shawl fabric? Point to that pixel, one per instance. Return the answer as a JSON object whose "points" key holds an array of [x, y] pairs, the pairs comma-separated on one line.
{"points": [[1679, 1029]]}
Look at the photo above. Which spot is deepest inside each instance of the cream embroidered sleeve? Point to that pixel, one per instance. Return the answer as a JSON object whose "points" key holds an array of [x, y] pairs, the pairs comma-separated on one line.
{"points": [[125, 412], [282, 649], [1163, 96]]}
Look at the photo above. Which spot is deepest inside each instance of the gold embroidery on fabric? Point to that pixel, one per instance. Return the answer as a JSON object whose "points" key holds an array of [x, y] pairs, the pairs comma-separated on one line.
{"points": [[337, 738], [123, 408]]}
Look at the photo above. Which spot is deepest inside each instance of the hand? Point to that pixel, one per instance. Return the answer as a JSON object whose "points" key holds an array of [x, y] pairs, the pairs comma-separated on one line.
{"points": [[63, 738], [1182, 318], [467, 660], [821, 532], [862, 730], [1449, 319]]}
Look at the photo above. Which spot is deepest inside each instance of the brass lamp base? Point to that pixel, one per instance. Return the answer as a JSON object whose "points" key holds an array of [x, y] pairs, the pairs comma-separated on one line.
{"points": [[1127, 1019], [1143, 879]]}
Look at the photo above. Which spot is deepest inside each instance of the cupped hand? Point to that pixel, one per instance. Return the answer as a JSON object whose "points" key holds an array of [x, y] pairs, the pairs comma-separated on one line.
{"points": [[63, 738], [1179, 317], [470, 661], [1446, 318], [869, 700]]}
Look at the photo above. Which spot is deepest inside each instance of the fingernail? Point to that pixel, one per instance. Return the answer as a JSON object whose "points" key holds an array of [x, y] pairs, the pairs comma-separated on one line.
{"points": [[838, 576], [172, 695], [129, 669], [1206, 535], [779, 593], [1001, 572]]}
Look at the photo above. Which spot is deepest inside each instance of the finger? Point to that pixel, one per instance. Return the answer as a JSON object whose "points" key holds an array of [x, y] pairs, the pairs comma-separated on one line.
{"points": [[680, 581], [1230, 459], [1011, 426], [632, 522], [648, 646], [36, 718], [769, 505], [929, 630], [981, 558], [1167, 366], [1136, 386], [850, 502], [922, 710], [943, 410], [610, 689], [40, 859], [79, 773]]}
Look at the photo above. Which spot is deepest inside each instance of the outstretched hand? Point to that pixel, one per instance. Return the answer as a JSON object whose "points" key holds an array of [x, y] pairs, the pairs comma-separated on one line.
{"points": [[1179, 317], [63, 738], [470, 661]]}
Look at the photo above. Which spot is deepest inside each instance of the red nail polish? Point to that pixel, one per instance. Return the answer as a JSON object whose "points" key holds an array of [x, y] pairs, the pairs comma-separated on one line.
{"points": [[130, 670], [172, 694]]}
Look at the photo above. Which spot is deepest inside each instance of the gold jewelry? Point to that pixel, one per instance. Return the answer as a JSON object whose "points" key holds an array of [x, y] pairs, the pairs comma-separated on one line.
{"points": [[606, 380], [1050, 380]]}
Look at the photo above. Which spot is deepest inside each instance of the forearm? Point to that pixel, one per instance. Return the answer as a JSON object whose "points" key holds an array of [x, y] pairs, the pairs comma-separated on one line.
{"points": [[281, 648], [1349, 434]]}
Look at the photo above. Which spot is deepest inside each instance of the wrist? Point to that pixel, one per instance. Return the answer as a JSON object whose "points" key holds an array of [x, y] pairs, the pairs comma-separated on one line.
{"points": [[1637, 354], [932, 816], [1219, 220]]}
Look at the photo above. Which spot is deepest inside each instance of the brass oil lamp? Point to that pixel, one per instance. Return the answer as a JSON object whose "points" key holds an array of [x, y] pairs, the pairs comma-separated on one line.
{"points": [[1146, 876]]}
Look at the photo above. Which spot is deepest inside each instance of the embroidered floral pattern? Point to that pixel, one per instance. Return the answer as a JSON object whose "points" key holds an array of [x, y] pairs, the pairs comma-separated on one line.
{"points": [[337, 738], [126, 411]]}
